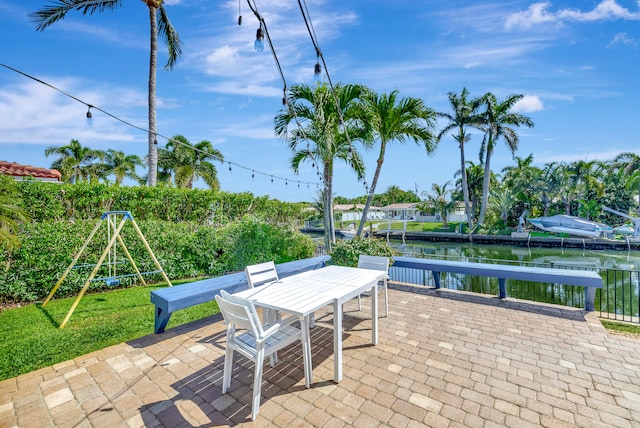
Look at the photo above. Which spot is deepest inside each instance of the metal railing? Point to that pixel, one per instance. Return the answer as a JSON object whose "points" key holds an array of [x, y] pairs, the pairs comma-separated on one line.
{"points": [[619, 299]]}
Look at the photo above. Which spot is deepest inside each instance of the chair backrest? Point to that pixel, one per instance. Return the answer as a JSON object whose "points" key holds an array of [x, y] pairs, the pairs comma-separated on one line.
{"points": [[373, 262], [261, 274], [239, 313]]}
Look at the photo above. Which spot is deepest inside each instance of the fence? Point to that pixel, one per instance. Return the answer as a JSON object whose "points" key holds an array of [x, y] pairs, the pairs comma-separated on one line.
{"points": [[617, 300]]}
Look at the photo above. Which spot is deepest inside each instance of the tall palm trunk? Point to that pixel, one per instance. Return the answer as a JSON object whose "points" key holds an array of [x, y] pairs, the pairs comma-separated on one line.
{"points": [[486, 179], [152, 158], [465, 185], [329, 227], [374, 182]]}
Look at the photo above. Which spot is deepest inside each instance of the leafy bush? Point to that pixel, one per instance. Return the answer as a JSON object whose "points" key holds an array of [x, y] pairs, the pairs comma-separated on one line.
{"points": [[346, 253], [47, 202], [184, 250]]}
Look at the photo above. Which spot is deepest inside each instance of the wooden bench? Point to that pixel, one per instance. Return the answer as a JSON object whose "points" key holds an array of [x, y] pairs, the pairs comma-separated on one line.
{"points": [[584, 278], [170, 299]]}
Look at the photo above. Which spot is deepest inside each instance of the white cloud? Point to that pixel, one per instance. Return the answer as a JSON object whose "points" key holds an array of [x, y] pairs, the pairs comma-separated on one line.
{"points": [[528, 104], [538, 13], [622, 38]]}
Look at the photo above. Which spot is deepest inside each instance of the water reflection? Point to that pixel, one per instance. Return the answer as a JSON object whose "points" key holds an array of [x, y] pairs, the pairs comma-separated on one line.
{"points": [[602, 259]]}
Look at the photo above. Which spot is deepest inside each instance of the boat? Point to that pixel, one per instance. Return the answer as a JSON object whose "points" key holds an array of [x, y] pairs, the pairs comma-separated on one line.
{"points": [[571, 225], [625, 229]]}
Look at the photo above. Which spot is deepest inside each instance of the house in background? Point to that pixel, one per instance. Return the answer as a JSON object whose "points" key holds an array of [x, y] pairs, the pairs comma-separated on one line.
{"points": [[404, 211], [353, 212], [28, 172]]}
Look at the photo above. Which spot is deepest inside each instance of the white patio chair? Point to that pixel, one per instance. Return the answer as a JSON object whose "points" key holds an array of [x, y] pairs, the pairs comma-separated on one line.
{"points": [[376, 263], [255, 341], [261, 274]]}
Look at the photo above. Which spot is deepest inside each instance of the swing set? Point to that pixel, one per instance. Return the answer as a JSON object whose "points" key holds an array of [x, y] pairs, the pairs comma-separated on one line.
{"points": [[115, 221]]}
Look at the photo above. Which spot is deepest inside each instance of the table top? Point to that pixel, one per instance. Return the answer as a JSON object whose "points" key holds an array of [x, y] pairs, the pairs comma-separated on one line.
{"points": [[306, 292]]}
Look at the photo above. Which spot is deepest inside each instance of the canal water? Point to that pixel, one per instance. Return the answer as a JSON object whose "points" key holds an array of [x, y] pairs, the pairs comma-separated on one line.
{"points": [[601, 259], [618, 299]]}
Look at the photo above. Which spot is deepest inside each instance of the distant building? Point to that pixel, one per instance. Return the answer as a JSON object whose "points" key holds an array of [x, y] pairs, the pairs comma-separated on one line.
{"points": [[353, 212], [28, 172]]}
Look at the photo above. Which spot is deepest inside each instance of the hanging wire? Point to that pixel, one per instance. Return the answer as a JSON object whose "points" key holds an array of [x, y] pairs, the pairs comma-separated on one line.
{"points": [[91, 106], [285, 98], [314, 39]]}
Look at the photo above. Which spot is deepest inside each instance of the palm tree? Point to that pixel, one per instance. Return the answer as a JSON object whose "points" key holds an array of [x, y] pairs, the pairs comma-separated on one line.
{"points": [[191, 162], [75, 162], [122, 166], [11, 213], [503, 199], [631, 165], [439, 199], [396, 119], [583, 178], [465, 115], [159, 24], [523, 180], [474, 174], [317, 138], [498, 120]]}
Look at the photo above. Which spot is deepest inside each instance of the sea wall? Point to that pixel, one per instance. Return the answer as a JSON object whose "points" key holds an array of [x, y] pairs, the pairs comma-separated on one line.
{"points": [[531, 241]]}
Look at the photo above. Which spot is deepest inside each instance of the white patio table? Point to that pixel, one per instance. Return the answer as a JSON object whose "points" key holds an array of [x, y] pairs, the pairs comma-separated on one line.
{"points": [[306, 292]]}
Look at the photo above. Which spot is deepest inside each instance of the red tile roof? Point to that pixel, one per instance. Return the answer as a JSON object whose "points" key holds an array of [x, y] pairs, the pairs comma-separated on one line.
{"points": [[17, 170]]}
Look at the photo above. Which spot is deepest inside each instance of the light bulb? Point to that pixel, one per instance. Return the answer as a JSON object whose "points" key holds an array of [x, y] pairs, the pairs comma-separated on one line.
{"points": [[317, 72], [89, 117], [259, 43], [341, 126]]}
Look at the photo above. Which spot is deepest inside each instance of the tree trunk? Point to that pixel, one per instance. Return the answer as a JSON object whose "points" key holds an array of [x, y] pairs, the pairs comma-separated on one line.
{"points": [[374, 182], [485, 182], [465, 187], [152, 157], [329, 227]]}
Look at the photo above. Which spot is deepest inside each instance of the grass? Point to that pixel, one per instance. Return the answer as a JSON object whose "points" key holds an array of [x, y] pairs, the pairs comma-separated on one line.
{"points": [[30, 338], [621, 327]]}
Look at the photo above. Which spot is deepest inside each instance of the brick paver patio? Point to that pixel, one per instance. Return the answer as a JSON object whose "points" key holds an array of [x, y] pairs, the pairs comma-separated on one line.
{"points": [[444, 359]]}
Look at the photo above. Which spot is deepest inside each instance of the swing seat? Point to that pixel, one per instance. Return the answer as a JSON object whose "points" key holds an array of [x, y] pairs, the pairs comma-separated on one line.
{"points": [[111, 282]]}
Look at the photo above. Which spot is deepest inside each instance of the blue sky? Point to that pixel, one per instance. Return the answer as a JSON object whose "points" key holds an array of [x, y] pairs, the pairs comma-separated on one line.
{"points": [[576, 62]]}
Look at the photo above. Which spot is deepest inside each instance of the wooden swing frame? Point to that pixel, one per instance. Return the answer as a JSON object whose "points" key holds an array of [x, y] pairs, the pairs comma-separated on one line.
{"points": [[114, 229]]}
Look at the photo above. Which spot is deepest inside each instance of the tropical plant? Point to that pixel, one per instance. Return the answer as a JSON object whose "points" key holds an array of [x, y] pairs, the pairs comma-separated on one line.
{"points": [[318, 139], [347, 252], [190, 162], [631, 165], [159, 25], [523, 179], [502, 200], [122, 166], [498, 122], [465, 115], [12, 214], [475, 174], [396, 119], [589, 209], [439, 199], [74, 161]]}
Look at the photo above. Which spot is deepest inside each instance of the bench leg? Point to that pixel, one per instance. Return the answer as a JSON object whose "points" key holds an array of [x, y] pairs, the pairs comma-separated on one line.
{"points": [[502, 284], [436, 278], [589, 298], [161, 320]]}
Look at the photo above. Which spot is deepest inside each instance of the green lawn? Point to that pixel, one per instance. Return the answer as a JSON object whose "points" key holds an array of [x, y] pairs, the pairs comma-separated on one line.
{"points": [[30, 338]]}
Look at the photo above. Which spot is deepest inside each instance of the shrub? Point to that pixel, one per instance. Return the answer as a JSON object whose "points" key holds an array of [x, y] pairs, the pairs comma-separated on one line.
{"points": [[184, 250], [346, 253]]}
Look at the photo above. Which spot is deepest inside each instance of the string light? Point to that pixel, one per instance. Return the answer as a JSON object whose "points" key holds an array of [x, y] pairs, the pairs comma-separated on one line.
{"points": [[259, 43], [89, 115], [239, 13], [145, 130]]}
